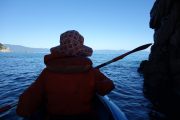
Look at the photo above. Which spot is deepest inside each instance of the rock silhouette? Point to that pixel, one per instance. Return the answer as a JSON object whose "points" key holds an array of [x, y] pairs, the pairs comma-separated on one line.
{"points": [[162, 70]]}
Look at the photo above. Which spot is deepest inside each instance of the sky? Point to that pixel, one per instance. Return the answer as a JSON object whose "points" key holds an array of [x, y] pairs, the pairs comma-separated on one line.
{"points": [[105, 24]]}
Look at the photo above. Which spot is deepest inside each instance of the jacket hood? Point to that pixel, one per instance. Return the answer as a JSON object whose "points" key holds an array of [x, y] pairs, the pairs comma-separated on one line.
{"points": [[60, 64]]}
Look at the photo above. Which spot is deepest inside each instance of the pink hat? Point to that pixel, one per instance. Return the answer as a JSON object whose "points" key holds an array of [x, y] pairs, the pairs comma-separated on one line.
{"points": [[71, 44]]}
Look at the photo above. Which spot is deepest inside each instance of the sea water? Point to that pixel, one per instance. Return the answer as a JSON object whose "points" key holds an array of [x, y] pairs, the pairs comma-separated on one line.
{"points": [[19, 70]]}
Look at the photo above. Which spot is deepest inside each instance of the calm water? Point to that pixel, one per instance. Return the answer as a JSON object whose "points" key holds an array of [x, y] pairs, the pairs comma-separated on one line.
{"points": [[19, 70]]}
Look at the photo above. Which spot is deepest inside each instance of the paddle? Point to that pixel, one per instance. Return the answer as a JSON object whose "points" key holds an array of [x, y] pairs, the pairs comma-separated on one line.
{"points": [[124, 55], [6, 108]]}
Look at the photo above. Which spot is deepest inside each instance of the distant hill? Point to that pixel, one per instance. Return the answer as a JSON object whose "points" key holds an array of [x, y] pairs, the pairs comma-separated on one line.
{"points": [[3, 48], [19, 48], [109, 51], [115, 51]]}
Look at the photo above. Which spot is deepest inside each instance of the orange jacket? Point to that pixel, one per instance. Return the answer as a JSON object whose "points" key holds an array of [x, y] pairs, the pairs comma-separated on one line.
{"points": [[66, 87]]}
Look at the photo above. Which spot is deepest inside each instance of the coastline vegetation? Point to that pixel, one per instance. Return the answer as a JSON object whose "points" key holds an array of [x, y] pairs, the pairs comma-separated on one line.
{"points": [[3, 48]]}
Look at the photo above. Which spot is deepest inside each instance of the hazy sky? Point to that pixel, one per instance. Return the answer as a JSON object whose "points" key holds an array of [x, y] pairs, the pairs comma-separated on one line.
{"points": [[105, 24]]}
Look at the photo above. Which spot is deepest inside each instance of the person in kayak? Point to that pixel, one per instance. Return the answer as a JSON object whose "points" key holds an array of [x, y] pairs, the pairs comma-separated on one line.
{"points": [[67, 85]]}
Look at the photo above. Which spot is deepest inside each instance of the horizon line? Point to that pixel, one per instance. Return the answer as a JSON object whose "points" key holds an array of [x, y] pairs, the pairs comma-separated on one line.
{"points": [[105, 49]]}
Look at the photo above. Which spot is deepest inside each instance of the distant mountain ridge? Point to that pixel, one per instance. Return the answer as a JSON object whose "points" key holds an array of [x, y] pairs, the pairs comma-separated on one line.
{"points": [[109, 51], [23, 49], [19, 48]]}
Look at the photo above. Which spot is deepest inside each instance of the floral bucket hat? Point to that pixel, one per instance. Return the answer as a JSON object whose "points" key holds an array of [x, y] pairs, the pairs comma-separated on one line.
{"points": [[72, 44]]}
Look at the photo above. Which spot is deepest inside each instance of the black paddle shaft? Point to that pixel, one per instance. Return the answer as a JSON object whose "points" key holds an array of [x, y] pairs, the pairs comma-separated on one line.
{"points": [[124, 55]]}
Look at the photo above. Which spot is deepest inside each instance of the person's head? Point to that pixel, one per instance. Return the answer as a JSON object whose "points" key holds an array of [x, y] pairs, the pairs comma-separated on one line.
{"points": [[72, 44]]}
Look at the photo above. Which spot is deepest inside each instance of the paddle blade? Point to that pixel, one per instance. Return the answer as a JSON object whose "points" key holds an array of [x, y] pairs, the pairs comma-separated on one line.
{"points": [[142, 47], [124, 55]]}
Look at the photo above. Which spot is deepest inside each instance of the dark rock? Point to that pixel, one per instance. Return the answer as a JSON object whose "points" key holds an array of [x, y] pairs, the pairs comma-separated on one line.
{"points": [[142, 65], [160, 9], [162, 70]]}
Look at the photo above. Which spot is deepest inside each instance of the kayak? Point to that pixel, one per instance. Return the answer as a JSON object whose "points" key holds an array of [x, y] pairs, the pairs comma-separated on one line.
{"points": [[106, 109]]}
